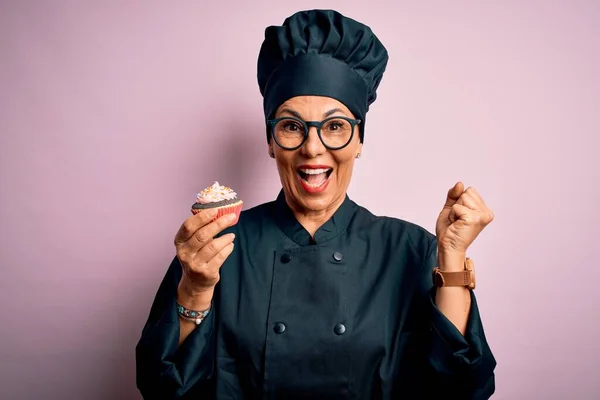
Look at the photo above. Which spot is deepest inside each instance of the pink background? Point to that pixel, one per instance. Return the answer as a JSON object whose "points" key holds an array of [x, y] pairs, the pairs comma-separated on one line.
{"points": [[114, 114]]}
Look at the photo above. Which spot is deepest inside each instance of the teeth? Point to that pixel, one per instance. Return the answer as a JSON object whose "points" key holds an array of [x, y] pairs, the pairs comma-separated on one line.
{"points": [[314, 185], [312, 171]]}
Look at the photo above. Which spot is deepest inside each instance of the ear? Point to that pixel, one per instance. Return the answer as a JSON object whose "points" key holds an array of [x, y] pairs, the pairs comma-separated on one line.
{"points": [[359, 149], [270, 149]]}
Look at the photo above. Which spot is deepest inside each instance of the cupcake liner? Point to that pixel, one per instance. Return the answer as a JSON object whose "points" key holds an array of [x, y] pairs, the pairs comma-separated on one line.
{"points": [[235, 208]]}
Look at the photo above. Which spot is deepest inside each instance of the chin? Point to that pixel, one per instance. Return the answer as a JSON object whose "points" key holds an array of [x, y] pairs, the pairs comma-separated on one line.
{"points": [[316, 204]]}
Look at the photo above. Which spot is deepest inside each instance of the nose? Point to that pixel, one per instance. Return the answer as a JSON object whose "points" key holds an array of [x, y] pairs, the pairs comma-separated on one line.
{"points": [[313, 145]]}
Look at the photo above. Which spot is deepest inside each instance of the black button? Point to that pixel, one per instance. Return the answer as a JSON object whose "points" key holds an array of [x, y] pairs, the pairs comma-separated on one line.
{"points": [[337, 256], [279, 328], [339, 329], [286, 258]]}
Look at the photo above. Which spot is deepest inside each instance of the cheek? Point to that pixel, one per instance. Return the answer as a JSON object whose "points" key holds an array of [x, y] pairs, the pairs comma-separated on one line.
{"points": [[345, 166], [285, 166]]}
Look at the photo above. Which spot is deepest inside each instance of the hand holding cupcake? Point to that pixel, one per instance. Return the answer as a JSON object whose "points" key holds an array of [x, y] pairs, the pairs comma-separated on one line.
{"points": [[201, 249]]}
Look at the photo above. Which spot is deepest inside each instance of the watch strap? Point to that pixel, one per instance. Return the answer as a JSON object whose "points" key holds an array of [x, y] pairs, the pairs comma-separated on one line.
{"points": [[464, 278], [458, 278]]}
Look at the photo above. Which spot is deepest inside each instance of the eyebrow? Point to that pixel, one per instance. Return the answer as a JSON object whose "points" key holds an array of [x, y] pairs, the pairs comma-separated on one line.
{"points": [[327, 114]]}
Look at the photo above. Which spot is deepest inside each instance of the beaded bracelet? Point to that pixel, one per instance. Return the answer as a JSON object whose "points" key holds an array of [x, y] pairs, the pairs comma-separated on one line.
{"points": [[191, 315]]}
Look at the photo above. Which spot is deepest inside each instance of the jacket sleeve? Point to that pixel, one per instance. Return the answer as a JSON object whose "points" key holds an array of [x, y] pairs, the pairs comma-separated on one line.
{"points": [[459, 366], [164, 371]]}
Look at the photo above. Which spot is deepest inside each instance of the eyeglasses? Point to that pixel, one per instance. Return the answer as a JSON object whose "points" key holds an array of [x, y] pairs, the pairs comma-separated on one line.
{"points": [[291, 133]]}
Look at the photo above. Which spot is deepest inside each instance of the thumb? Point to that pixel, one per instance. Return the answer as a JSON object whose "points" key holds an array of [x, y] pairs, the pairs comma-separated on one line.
{"points": [[454, 194]]}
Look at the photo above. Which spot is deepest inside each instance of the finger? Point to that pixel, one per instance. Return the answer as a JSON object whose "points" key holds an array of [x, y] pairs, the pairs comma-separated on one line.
{"points": [[205, 234], [454, 194], [467, 199], [471, 191], [212, 248], [459, 211], [215, 263], [193, 223], [487, 215]]}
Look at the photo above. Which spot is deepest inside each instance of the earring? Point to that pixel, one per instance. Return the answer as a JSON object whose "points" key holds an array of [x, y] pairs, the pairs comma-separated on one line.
{"points": [[271, 155], [357, 155]]}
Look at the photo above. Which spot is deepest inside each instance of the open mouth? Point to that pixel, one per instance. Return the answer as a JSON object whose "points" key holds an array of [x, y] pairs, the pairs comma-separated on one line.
{"points": [[314, 177]]}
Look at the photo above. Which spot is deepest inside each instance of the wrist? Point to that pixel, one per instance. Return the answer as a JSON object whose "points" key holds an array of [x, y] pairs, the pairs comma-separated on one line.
{"points": [[198, 299], [451, 260]]}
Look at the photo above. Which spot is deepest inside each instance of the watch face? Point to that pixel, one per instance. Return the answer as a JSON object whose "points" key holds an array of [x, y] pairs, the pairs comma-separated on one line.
{"points": [[470, 266]]}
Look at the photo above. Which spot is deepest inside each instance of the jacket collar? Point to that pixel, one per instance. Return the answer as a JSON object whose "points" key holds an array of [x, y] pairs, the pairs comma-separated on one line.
{"points": [[288, 223]]}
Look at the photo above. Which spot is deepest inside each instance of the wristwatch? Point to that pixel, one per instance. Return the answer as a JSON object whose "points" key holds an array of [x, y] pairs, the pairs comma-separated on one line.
{"points": [[465, 278]]}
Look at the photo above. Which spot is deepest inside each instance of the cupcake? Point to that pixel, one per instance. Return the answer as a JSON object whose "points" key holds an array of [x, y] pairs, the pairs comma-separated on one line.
{"points": [[220, 197]]}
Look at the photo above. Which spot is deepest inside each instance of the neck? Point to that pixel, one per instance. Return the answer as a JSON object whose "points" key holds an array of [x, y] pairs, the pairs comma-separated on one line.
{"points": [[312, 220]]}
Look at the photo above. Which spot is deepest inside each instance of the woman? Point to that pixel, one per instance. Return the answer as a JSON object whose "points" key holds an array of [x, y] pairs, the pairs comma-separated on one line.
{"points": [[319, 298]]}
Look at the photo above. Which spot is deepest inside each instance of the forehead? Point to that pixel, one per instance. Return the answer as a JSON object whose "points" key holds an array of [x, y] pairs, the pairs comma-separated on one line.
{"points": [[310, 106]]}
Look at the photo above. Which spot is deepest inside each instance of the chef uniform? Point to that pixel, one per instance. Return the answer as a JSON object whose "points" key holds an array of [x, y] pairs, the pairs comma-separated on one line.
{"points": [[348, 313]]}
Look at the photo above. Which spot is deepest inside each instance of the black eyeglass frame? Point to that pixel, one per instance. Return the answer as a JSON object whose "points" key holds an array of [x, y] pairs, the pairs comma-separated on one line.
{"points": [[307, 125]]}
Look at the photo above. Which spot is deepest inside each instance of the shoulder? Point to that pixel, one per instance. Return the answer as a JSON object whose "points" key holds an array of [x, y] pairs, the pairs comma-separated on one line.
{"points": [[392, 229]]}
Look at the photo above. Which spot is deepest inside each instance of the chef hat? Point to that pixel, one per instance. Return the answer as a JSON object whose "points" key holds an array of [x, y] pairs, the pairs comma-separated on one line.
{"points": [[321, 53]]}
